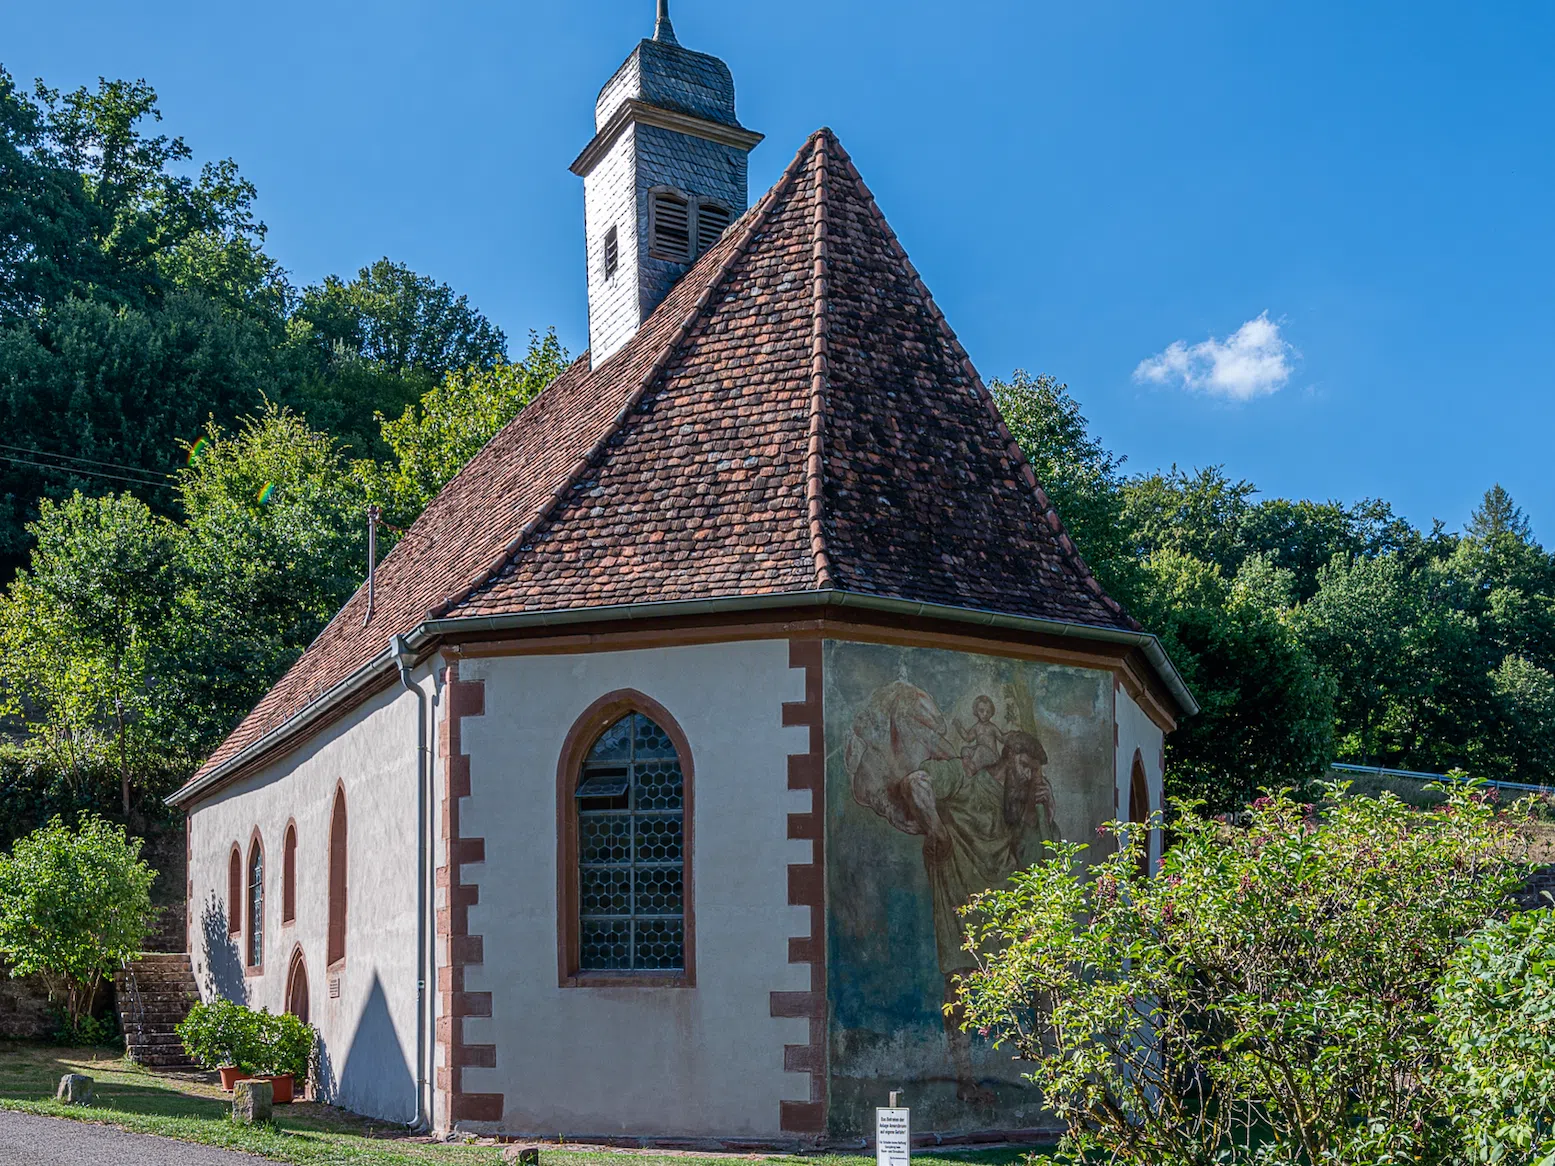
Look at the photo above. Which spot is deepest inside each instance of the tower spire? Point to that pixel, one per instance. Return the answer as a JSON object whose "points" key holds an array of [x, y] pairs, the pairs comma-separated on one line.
{"points": [[663, 30]]}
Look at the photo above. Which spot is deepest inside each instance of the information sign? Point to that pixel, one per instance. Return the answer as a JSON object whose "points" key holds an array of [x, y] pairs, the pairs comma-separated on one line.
{"points": [[893, 1137]]}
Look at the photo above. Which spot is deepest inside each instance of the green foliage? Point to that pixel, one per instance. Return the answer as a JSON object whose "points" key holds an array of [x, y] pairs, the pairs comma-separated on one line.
{"points": [[1267, 998], [217, 1034], [431, 441], [274, 543], [78, 1032], [1496, 1014], [1081, 477], [84, 635], [222, 1033], [1266, 708], [74, 905], [137, 303]]}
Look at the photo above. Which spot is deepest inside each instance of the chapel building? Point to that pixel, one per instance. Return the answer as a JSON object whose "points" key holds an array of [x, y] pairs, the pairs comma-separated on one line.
{"points": [[638, 796]]}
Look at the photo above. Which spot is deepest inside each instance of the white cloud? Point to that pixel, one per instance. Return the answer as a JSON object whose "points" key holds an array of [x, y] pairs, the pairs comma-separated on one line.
{"points": [[1253, 361]]}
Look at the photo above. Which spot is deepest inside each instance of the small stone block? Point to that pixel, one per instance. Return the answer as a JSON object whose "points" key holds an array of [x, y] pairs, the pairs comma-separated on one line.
{"points": [[253, 1102], [75, 1089], [522, 1155]]}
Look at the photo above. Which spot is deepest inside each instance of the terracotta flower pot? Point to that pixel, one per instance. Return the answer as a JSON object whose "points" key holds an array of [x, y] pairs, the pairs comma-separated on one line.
{"points": [[281, 1086], [231, 1075]]}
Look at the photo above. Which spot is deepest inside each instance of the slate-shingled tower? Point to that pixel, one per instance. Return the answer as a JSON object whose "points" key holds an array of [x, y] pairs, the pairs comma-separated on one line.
{"points": [[640, 804], [665, 175]]}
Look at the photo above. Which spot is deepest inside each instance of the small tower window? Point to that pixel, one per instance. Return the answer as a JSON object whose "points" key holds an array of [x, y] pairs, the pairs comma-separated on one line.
{"points": [[670, 229], [612, 252], [712, 222]]}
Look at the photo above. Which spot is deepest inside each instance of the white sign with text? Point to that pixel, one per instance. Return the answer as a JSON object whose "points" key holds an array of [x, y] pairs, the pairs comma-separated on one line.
{"points": [[893, 1137]]}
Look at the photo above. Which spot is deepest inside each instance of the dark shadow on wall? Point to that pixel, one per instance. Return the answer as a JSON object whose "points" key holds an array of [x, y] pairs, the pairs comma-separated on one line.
{"points": [[376, 1079], [221, 970]]}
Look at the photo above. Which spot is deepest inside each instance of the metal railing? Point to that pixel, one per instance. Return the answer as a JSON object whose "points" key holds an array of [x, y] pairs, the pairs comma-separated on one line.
{"points": [[1379, 771]]}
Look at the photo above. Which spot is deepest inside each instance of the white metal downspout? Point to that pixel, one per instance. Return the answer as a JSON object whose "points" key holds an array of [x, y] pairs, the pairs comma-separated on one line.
{"points": [[404, 659]]}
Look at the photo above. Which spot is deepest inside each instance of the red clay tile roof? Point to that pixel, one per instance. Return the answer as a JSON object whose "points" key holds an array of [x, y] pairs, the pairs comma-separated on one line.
{"points": [[796, 416]]}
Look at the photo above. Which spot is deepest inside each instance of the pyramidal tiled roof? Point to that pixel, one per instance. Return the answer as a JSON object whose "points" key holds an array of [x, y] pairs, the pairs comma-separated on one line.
{"points": [[795, 417]]}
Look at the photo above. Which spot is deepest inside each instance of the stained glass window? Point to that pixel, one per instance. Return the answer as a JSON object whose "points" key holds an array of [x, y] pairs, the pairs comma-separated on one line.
{"points": [[631, 858], [256, 907]]}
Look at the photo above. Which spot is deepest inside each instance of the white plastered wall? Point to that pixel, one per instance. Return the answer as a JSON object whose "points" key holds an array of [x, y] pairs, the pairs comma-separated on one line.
{"points": [[1137, 732], [368, 1030], [705, 1060]]}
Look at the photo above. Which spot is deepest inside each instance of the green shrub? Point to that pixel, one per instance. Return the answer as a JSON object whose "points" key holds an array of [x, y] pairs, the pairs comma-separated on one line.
{"points": [[284, 1044], [1496, 1015], [223, 1033], [218, 1034], [1267, 998]]}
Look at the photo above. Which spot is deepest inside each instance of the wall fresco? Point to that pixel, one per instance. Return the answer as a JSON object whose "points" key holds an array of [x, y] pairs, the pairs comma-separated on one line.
{"points": [[945, 773]]}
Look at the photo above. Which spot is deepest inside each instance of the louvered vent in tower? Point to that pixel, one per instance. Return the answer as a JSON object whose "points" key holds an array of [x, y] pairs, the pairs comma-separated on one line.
{"points": [[671, 227], [712, 222]]}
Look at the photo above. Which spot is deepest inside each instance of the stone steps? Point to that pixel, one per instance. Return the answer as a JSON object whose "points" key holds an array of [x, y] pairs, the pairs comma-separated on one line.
{"points": [[155, 993]]}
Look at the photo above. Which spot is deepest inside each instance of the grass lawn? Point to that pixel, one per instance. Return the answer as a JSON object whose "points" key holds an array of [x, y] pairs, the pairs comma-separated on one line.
{"points": [[193, 1108]]}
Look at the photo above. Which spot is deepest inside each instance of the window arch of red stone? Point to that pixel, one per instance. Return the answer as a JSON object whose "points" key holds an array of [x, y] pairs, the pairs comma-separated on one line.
{"points": [[235, 890], [594, 720], [297, 998], [339, 889], [289, 873], [251, 916]]}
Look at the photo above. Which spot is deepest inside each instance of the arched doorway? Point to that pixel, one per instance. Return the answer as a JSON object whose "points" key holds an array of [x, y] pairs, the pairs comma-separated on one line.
{"points": [[297, 988], [1139, 806]]}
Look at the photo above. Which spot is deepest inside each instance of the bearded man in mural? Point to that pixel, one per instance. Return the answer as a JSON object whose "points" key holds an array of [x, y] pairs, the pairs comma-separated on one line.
{"points": [[982, 817]]}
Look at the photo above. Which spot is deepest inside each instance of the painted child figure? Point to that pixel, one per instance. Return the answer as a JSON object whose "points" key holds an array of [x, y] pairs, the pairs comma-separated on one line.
{"points": [[986, 738]]}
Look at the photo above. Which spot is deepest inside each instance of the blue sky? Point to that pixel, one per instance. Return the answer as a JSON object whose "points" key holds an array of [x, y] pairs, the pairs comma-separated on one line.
{"points": [[1313, 242]]}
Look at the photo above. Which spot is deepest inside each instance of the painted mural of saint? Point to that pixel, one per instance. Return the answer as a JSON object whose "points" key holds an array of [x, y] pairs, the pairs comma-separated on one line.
{"points": [[982, 815]]}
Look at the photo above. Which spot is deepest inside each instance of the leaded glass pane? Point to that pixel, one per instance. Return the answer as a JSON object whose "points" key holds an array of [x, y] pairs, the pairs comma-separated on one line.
{"points": [[631, 861], [659, 944], [605, 945]]}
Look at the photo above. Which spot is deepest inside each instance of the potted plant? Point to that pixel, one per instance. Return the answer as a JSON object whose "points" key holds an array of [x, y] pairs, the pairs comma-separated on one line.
{"points": [[219, 1035], [281, 1051]]}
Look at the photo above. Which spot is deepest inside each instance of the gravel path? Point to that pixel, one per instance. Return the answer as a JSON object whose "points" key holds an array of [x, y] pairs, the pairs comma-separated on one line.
{"points": [[26, 1140]]}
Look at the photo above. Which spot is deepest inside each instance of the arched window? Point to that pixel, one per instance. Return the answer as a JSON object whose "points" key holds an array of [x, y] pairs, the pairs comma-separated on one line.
{"points": [[297, 987], [337, 881], [289, 874], [256, 904], [1139, 805], [234, 891], [625, 846]]}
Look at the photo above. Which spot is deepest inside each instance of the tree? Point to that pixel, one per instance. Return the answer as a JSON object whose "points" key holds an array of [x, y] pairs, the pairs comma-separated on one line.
{"points": [[1267, 998], [391, 315], [74, 905], [1266, 709], [1080, 475], [275, 542], [84, 633], [432, 441]]}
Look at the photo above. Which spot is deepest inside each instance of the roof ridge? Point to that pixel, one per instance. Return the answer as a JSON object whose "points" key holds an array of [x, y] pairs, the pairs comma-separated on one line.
{"points": [[670, 346], [1028, 475], [815, 462]]}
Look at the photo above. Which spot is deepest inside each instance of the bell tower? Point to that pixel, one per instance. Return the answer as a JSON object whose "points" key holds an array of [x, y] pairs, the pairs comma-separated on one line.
{"points": [[664, 177]]}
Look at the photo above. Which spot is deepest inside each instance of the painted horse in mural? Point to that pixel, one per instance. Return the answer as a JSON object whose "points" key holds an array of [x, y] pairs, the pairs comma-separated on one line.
{"points": [[982, 818]]}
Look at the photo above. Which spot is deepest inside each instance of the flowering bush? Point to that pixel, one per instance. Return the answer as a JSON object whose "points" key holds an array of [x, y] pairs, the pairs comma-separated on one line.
{"points": [[1267, 998]]}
